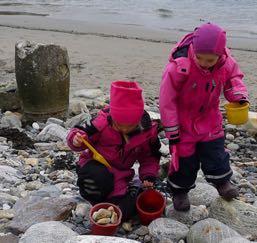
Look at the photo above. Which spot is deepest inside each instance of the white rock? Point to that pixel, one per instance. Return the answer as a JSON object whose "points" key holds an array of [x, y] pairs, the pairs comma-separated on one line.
{"points": [[98, 239], [230, 137], [47, 232], [35, 126]]}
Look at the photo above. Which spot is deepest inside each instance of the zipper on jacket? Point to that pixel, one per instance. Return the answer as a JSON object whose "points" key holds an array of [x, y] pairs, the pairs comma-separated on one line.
{"points": [[213, 85]]}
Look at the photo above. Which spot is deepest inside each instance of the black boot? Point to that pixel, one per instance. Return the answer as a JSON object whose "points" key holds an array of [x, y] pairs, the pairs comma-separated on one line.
{"points": [[227, 191], [181, 201]]}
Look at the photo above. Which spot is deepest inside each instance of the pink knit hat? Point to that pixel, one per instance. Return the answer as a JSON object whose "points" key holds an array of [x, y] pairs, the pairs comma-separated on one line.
{"points": [[126, 102], [209, 38]]}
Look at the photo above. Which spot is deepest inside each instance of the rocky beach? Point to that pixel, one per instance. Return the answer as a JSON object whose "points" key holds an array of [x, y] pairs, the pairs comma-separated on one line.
{"points": [[39, 198]]}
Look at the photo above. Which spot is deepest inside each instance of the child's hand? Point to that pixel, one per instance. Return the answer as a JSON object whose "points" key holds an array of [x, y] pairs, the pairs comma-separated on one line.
{"points": [[77, 140], [147, 184]]}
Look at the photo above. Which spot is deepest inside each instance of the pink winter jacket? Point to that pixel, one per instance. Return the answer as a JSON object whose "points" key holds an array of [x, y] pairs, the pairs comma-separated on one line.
{"points": [[143, 146], [189, 95]]}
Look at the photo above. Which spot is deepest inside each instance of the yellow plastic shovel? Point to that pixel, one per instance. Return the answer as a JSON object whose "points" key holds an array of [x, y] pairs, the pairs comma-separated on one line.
{"points": [[96, 155]]}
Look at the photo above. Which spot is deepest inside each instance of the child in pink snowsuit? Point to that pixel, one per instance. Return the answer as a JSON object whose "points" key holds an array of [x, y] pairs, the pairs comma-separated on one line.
{"points": [[200, 68], [122, 133]]}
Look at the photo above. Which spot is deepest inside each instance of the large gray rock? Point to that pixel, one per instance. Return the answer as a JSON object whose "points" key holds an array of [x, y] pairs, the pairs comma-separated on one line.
{"points": [[43, 79], [47, 232], [165, 228], [9, 175], [238, 215], [52, 132], [98, 239], [39, 208], [235, 240], [195, 214], [203, 194], [210, 231]]}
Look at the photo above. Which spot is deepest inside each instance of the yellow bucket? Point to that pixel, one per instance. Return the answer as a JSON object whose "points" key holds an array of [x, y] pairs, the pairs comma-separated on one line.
{"points": [[237, 114]]}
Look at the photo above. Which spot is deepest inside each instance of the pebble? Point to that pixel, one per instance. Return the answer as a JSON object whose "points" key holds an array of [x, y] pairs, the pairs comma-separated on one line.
{"points": [[233, 146], [230, 137], [127, 226], [35, 126]]}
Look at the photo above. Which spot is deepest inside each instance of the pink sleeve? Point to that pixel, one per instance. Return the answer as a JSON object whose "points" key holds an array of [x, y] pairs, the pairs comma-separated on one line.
{"points": [[70, 138], [149, 166], [168, 103], [234, 88]]}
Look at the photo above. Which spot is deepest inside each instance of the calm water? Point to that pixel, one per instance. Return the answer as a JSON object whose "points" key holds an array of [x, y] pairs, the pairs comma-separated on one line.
{"points": [[238, 16]]}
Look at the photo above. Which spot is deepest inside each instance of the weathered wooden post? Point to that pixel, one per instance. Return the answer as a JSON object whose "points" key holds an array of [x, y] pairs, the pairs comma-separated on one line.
{"points": [[43, 80]]}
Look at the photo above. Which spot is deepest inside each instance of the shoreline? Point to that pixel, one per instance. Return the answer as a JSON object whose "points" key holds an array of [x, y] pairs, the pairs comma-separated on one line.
{"points": [[97, 59], [125, 31]]}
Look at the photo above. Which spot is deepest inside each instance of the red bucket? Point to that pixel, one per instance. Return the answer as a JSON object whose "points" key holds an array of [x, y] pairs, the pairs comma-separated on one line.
{"points": [[150, 206], [110, 229]]}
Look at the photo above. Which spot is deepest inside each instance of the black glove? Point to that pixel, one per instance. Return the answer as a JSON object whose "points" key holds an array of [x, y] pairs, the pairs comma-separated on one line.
{"points": [[243, 101]]}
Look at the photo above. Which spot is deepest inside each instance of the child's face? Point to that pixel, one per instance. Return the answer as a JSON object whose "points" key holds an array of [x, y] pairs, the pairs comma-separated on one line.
{"points": [[123, 128], [207, 61]]}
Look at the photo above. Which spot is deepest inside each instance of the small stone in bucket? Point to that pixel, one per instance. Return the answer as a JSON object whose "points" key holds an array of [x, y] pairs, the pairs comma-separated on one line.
{"points": [[111, 209], [104, 221], [102, 213], [114, 218], [105, 216]]}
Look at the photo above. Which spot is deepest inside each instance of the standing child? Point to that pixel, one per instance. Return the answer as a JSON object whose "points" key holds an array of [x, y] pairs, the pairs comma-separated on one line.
{"points": [[199, 70], [123, 133]]}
